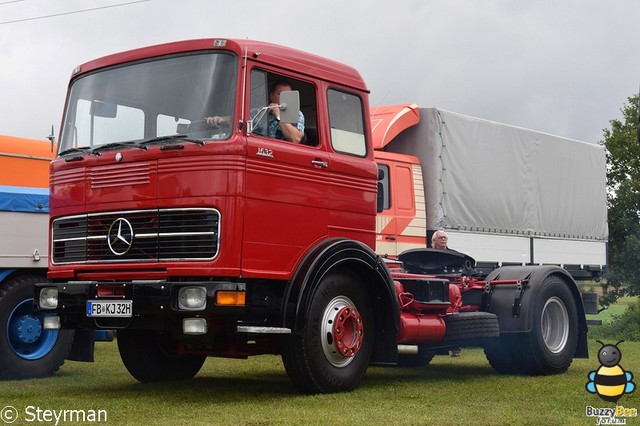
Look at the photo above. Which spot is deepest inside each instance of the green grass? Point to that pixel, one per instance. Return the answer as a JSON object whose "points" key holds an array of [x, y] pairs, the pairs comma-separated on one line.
{"points": [[616, 309], [450, 391]]}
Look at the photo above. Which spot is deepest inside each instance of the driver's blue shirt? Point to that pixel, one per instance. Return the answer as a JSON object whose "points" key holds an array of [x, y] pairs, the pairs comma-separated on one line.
{"points": [[273, 127]]}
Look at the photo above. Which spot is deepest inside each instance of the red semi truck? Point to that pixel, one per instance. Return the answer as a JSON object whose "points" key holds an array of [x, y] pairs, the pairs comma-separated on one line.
{"points": [[195, 240]]}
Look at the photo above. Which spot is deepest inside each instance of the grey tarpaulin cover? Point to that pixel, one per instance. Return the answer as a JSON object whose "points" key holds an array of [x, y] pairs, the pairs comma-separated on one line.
{"points": [[483, 176]]}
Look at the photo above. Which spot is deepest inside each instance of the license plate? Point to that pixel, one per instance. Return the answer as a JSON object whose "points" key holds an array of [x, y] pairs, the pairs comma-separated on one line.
{"points": [[109, 308]]}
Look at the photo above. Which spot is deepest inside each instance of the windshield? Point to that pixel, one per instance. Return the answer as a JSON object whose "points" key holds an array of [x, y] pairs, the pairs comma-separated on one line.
{"points": [[149, 100]]}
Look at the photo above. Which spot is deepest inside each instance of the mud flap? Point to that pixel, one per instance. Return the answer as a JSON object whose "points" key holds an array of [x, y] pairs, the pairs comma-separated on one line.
{"points": [[83, 346]]}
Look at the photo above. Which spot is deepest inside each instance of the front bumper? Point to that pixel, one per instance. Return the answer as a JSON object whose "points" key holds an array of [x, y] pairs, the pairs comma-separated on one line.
{"points": [[154, 303]]}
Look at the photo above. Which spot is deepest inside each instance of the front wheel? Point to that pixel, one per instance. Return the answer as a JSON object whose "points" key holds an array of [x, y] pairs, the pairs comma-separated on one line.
{"points": [[149, 357], [27, 350], [332, 353], [551, 344]]}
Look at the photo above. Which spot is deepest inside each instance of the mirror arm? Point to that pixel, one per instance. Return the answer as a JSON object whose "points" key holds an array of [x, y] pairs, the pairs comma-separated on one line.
{"points": [[259, 115]]}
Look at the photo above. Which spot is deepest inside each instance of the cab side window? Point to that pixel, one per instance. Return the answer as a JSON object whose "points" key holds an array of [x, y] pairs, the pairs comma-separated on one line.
{"points": [[346, 119], [384, 192], [262, 84]]}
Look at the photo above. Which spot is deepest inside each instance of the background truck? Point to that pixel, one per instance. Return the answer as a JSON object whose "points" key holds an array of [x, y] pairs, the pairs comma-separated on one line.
{"points": [[26, 349], [504, 195], [196, 240]]}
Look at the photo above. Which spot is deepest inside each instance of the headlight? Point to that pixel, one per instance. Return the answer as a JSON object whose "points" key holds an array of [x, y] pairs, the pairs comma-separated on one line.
{"points": [[192, 298], [48, 298]]}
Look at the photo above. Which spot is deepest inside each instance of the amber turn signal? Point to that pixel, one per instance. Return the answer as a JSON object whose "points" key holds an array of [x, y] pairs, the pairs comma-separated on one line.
{"points": [[230, 298]]}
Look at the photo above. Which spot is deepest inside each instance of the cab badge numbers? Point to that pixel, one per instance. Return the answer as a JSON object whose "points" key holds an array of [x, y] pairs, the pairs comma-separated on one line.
{"points": [[264, 152]]}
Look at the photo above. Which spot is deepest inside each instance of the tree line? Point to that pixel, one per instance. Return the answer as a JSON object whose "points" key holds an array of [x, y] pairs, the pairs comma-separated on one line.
{"points": [[622, 144]]}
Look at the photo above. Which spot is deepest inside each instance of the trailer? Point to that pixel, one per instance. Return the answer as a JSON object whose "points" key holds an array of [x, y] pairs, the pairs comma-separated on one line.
{"points": [[504, 195]]}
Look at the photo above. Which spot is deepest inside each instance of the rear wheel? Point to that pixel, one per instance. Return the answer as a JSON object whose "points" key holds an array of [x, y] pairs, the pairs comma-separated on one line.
{"points": [[27, 350], [551, 344], [332, 353], [149, 357]]}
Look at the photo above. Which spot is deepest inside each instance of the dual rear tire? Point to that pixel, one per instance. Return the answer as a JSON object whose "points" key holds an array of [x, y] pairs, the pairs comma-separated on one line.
{"points": [[550, 345]]}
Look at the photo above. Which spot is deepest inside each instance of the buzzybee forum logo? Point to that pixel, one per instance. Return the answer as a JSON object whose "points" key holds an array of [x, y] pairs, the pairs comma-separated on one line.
{"points": [[610, 382]]}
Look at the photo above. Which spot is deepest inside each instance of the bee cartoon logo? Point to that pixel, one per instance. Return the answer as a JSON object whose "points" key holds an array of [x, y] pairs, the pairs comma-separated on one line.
{"points": [[610, 381]]}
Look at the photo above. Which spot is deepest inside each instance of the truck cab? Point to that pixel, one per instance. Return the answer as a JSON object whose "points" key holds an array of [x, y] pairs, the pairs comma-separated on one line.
{"points": [[213, 238]]}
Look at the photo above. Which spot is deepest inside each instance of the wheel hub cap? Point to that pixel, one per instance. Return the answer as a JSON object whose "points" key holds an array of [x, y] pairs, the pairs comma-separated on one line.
{"points": [[28, 329], [347, 331], [342, 331]]}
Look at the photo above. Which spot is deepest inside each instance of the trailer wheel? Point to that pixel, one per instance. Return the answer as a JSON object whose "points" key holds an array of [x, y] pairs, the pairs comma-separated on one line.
{"points": [[26, 349], [332, 353], [149, 357], [551, 344]]}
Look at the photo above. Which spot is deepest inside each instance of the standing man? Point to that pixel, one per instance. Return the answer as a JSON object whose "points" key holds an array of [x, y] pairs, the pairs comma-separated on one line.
{"points": [[439, 240]]}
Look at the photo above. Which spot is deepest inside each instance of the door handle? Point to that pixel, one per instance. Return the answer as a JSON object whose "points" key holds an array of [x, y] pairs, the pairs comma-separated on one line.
{"points": [[320, 163]]}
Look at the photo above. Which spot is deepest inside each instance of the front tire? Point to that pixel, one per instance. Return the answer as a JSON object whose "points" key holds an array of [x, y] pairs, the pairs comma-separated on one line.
{"points": [[332, 353], [26, 349], [551, 344], [148, 356]]}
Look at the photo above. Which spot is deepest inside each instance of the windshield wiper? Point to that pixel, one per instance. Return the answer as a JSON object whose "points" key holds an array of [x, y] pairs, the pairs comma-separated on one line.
{"points": [[129, 144], [83, 150], [172, 138]]}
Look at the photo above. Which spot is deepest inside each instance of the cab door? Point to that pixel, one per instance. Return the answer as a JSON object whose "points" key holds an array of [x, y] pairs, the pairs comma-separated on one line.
{"points": [[286, 192]]}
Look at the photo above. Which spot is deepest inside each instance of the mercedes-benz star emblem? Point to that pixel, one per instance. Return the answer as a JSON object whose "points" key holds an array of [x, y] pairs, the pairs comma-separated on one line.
{"points": [[120, 237]]}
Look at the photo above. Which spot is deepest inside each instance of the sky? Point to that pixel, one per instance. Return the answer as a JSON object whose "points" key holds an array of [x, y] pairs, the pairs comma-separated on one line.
{"points": [[564, 67]]}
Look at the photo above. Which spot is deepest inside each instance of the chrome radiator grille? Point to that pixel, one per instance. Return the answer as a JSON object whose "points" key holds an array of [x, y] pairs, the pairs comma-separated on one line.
{"points": [[137, 236]]}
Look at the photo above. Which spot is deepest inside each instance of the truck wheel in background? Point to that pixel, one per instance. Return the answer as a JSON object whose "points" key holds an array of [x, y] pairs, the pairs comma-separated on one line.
{"points": [[148, 356], [551, 344], [332, 353], [26, 349]]}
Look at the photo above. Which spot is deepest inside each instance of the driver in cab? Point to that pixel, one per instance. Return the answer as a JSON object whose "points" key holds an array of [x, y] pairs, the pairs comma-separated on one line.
{"points": [[275, 128]]}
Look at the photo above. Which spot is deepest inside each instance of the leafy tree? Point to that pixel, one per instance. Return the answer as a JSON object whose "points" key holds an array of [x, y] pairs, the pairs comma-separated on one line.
{"points": [[623, 182]]}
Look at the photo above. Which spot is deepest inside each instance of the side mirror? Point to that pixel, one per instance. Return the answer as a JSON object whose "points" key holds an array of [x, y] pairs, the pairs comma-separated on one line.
{"points": [[289, 106], [52, 138]]}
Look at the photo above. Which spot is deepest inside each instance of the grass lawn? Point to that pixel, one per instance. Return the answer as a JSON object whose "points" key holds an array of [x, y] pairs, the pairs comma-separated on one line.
{"points": [[616, 309], [450, 391]]}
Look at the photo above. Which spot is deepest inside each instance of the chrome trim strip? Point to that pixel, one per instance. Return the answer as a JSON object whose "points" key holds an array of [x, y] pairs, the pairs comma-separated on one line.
{"points": [[262, 330]]}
